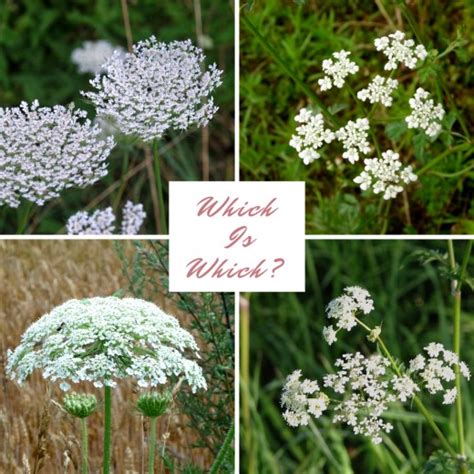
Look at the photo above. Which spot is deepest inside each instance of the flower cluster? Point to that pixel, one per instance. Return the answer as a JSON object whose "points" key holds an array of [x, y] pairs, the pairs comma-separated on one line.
{"points": [[92, 55], [310, 135], [379, 90], [103, 340], [337, 70], [155, 88], [424, 113], [102, 222], [385, 175], [437, 368], [45, 150], [400, 50], [354, 139], [344, 309], [297, 402]]}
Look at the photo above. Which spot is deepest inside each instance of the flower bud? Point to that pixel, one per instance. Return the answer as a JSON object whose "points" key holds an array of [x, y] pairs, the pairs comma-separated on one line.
{"points": [[80, 405], [154, 404]]}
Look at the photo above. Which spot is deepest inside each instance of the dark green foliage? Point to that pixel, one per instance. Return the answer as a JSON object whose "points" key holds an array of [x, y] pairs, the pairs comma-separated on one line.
{"points": [[212, 322]]}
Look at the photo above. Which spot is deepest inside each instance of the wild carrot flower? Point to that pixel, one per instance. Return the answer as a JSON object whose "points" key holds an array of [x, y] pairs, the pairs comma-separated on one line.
{"points": [[354, 139], [102, 222], [103, 340], [45, 150], [379, 90], [424, 113], [91, 55], [400, 50], [155, 88], [337, 69], [385, 175], [310, 135]]}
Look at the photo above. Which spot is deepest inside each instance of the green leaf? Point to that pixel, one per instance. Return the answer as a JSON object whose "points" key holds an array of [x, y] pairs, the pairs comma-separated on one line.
{"points": [[395, 130]]}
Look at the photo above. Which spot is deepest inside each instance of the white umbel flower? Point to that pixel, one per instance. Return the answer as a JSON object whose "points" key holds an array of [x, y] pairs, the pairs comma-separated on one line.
{"points": [[156, 88], [385, 175], [103, 340], [310, 135], [45, 150], [354, 139], [330, 335], [400, 50], [405, 387], [379, 90], [91, 55], [102, 222], [425, 115], [337, 69]]}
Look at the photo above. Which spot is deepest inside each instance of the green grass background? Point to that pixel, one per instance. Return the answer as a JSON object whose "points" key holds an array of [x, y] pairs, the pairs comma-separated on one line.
{"points": [[36, 41], [413, 303], [303, 33]]}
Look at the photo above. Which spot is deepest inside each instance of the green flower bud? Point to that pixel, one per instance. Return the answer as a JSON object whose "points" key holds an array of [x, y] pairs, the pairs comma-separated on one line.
{"points": [[154, 404], [80, 405]]}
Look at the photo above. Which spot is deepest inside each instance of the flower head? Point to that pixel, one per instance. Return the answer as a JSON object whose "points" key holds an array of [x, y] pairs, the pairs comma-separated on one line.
{"points": [[400, 50], [80, 405], [91, 56], [45, 150], [385, 175], [379, 90], [354, 139], [310, 135], [154, 404], [103, 340], [337, 69], [155, 88], [424, 113]]}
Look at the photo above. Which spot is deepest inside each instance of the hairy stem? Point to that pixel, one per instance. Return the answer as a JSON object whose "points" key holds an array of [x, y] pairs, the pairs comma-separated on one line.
{"points": [[159, 187], [152, 445], [107, 429], [84, 447]]}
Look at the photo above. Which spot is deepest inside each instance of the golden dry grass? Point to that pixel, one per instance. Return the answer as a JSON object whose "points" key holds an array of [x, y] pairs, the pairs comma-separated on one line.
{"points": [[35, 435]]}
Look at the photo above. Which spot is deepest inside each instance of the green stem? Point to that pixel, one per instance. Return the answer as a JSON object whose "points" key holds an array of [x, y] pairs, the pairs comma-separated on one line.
{"points": [[152, 445], [24, 217], [282, 63], [245, 369], [107, 428], [448, 152], [159, 187], [84, 447], [223, 452], [123, 182], [383, 231]]}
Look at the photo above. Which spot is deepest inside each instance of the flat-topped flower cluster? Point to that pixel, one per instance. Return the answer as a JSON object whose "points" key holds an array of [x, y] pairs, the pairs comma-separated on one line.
{"points": [[385, 173]]}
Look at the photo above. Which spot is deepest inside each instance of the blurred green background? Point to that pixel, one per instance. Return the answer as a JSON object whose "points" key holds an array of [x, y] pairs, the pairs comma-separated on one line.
{"points": [[303, 33], [412, 301], [36, 41]]}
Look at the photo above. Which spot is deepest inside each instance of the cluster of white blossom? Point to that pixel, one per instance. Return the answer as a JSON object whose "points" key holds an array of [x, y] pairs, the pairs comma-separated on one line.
{"points": [[310, 135], [102, 222], [337, 70], [103, 340], [400, 50], [301, 399], [379, 90], [437, 368], [424, 113], [91, 55], [45, 150], [344, 309], [354, 139], [385, 175], [155, 88]]}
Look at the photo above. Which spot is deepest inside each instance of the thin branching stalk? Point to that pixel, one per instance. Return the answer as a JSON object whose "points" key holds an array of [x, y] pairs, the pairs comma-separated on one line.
{"points": [[107, 429], [448, 152], [84, 447], [159, 186], [223, 452], [126, 24]]}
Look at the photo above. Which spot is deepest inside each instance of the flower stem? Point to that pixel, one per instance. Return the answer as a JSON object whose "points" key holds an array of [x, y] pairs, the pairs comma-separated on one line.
{"points": [[24, 216], [159, 187], [152, 445], [84, 447], [448, 152], [107, 428]]}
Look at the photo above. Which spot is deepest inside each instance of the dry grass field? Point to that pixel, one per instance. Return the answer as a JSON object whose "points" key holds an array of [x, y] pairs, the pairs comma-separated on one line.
{"points": [[35, 434]]}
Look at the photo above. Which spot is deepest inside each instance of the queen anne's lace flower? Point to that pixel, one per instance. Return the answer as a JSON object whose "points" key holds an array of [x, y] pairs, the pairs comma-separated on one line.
{"points": [[102, 222], [424, 113], [379, 90], [354, 139], [297, 401], [400, 50], [310, 135], [156, 88], [91, 56], [45, 150], [103, 340], [405, 387], [337, 70], [385, 175]]}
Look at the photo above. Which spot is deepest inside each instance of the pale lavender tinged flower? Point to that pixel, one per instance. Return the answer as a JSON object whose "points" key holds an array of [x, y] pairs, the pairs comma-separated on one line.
{"points": [[91, 55], [156, 88], [337, 69], [133, 216], [45, 150], [424, 113], [379, 90]]}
